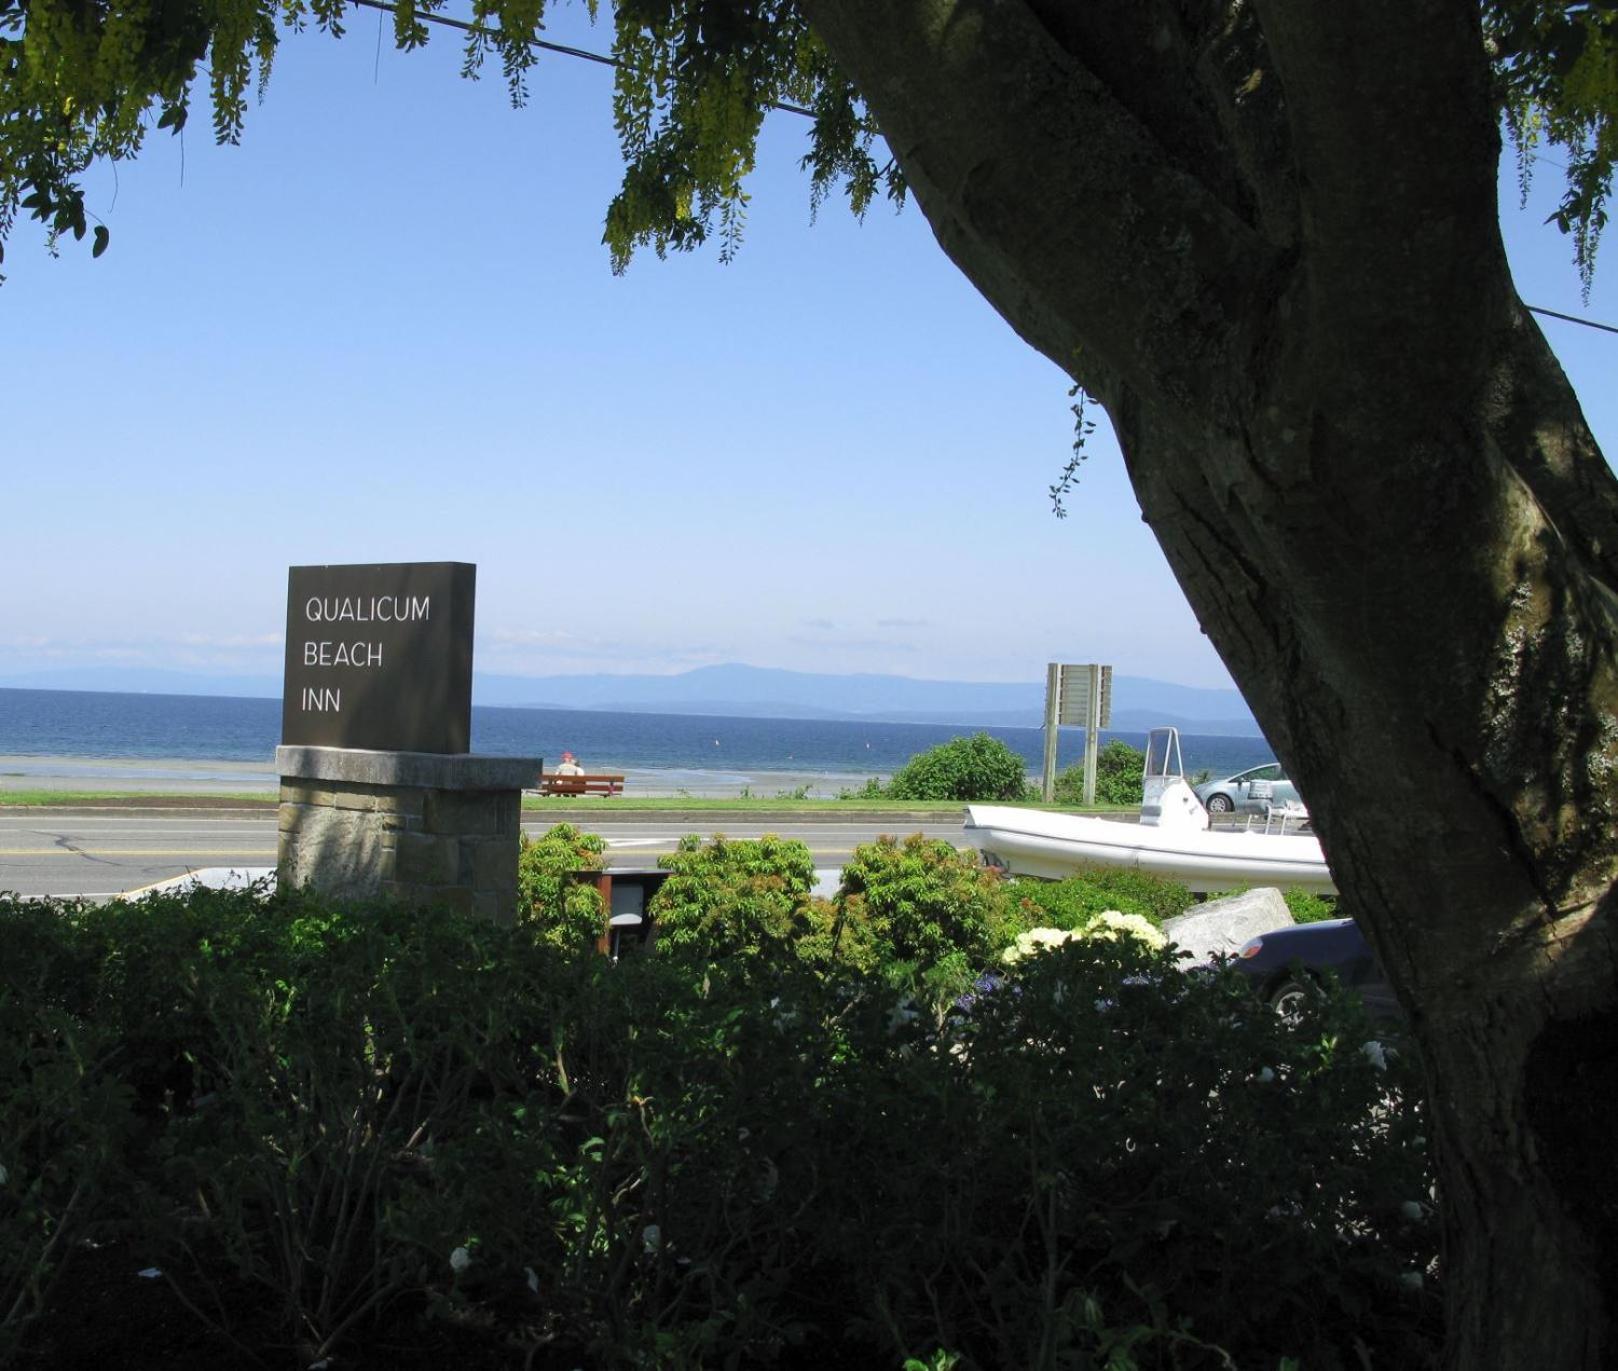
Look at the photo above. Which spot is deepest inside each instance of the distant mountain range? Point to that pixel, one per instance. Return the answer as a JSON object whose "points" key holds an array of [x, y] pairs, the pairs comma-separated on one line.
{"points": [[1138, 703]]}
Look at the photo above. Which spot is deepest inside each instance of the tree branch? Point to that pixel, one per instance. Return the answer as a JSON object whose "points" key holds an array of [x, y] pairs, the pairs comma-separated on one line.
{"points": [[1392, 119], [1198, 78], [1054, 199]]}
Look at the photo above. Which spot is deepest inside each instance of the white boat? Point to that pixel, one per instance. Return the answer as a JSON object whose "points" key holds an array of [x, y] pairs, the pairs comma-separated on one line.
{"points": [[1172, 838]]}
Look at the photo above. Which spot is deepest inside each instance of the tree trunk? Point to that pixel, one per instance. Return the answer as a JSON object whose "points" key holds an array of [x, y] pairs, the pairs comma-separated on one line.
{"points": [[1266, 240], [1440, 682]]}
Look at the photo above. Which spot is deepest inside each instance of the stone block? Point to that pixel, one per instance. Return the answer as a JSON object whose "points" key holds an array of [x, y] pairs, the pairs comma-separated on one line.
{"points": [[388, 800], [454, 897], [462, 812], [1220, 927], [420, 828], [494, 863], [337, 851], [361, 799], [496, 906], [424, 770], [425, 858]]}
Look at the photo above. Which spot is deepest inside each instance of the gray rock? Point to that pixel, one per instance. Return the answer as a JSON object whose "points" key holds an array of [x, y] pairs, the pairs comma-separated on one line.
{"points": [[1222, 926]]}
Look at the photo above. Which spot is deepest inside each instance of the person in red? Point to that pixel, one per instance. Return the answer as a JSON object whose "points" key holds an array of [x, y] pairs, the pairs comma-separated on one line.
{"points": [[569, 766]]}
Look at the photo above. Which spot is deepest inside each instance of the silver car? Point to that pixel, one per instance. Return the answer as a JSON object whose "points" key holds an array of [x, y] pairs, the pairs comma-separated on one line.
{"points": [[1254, 791]]}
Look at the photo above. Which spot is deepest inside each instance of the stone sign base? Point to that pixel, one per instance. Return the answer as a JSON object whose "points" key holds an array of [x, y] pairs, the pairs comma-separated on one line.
{"points": [[423, 828]]}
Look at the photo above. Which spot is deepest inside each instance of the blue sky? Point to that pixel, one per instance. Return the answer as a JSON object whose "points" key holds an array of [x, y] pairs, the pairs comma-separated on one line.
{"points": [[384, 329]]}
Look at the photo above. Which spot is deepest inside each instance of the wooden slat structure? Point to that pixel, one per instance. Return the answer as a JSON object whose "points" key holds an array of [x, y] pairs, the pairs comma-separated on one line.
{"points": [[552, 784]]}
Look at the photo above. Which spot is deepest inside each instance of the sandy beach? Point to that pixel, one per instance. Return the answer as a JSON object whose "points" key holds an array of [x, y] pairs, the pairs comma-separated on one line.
{"points": [[189, 775]]}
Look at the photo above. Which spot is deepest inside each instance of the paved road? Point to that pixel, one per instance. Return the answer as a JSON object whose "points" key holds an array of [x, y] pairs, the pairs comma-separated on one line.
{"points": [[104, 854]]}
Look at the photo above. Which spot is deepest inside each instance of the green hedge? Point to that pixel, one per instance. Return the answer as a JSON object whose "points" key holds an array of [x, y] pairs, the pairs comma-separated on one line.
{"points": [[385, 1122], [977, 768], [1119, 769], [1073, 902], [732, 897], [565, 912]]}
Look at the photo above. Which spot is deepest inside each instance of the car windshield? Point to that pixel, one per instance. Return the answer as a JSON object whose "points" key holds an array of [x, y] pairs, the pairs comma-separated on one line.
{"points": [[1264, 773]]}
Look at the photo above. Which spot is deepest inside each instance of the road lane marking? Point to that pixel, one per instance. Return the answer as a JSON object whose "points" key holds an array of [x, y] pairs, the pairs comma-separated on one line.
{"points": [[135, 852], [126, 828]]}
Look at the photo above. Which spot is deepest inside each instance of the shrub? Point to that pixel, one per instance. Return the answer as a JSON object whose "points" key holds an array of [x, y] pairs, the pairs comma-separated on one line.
{"points": [[568, 914], [1309, 908], [977, 768], [1305, 906], [1107, 1161], [730, 897], [926, 907], [871, 790], [1075, 900], [840, 935], [65, 1116], [1118, 777], [1209, 1174]]}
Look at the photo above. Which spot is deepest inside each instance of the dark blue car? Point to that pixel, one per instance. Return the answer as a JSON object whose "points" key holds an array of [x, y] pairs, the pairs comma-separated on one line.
{"points": [[1286, 965]]}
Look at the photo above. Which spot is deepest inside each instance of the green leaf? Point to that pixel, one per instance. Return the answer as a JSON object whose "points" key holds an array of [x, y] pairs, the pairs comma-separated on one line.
{"points": [[101, 237]]}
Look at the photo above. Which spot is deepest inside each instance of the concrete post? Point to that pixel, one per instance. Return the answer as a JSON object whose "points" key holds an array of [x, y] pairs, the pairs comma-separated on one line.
{"points": [[424, 828]]}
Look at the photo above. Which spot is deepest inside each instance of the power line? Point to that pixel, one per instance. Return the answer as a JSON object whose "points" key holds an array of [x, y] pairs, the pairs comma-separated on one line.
{"points": [[1573, 319], [600, 58]]}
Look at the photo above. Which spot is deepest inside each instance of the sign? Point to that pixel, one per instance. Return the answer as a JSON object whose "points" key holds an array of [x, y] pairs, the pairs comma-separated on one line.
{"points": [[1074, 695], [380, 657]]}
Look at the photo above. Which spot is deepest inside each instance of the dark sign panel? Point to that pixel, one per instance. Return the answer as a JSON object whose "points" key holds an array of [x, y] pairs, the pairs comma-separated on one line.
{"points": [[380, 657]]}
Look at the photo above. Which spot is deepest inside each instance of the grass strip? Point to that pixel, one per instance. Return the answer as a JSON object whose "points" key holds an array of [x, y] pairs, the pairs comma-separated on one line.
{"points": [[628, 804], [152, 799], [569, 805]]}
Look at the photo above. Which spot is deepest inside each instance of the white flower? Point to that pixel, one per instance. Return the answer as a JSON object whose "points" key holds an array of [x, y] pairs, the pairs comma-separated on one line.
{"points": [[1036, 940], [1376, 1054], [1266, 1076], [1411, 1280], [1110, 925], [459, 1260], [651, 1237], [1412, 1210], [533, 1279]]}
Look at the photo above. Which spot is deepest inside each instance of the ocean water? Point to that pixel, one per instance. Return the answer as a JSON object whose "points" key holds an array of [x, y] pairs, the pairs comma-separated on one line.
{"points": [[95, 726]]}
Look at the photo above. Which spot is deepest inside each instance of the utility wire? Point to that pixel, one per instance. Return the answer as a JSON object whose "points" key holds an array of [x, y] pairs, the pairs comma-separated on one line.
{"points": [[599, 58], [602, 59], [1572, 319]]}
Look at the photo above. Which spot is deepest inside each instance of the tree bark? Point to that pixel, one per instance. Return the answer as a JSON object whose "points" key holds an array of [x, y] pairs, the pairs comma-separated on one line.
{"points": [[1379, 494]]}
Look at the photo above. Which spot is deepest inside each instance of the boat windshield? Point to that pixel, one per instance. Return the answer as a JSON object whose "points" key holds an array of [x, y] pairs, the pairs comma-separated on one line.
{"points": [[1163, 753]]}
